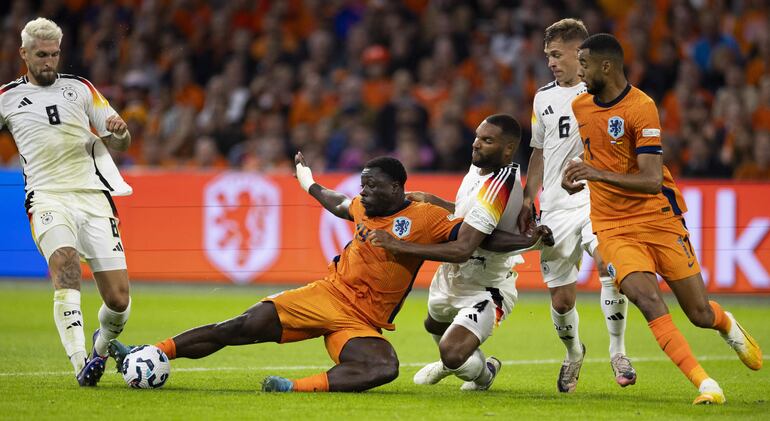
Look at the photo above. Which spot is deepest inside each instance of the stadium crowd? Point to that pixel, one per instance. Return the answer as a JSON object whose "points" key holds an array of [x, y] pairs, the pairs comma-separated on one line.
{"points": [[245, 83]]}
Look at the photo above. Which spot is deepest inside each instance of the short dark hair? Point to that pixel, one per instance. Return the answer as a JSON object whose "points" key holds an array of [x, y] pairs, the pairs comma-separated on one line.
{"points": [[390, 166], [510, 127], [604, 45], [568, 29]]}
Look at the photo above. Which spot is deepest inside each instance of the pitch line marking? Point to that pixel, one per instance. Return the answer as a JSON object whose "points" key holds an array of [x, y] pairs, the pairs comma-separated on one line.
{"points": [[322, 367]]}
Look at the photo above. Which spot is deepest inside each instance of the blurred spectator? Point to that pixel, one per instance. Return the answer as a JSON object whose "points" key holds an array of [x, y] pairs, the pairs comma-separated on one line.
{"points": [[757, 165], [347, 80]]}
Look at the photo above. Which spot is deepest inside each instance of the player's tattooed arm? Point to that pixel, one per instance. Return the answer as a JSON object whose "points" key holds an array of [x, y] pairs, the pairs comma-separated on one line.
{"points": [[120, 138], [506, 242], [419, 196], [336, 203]]}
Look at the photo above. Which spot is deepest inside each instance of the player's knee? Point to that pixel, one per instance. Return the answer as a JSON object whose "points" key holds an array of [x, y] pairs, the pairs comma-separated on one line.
{"points": [[563, 307], [386, 371], [117, 302], [650, 304], [452, 357]]}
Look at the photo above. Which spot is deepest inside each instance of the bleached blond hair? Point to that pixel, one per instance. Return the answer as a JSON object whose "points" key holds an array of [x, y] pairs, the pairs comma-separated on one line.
{"points": [[40, 29]]}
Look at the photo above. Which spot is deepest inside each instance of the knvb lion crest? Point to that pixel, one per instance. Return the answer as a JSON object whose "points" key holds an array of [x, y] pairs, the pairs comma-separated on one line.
{"points": [[616, 128], [242, 225], [402, 226]]}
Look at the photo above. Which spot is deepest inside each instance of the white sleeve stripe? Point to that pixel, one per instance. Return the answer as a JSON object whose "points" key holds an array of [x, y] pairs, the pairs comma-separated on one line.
{"points": [[496, 185], [492, 186]]}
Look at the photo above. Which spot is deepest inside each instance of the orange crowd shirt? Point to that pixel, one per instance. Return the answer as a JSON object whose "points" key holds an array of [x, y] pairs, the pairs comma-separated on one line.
{"points": [[375, 281], [613, 135]]}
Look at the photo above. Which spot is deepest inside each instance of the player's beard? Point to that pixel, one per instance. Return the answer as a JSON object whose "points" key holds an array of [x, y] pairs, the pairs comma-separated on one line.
{"points": [[596, 87], [45, 78]]}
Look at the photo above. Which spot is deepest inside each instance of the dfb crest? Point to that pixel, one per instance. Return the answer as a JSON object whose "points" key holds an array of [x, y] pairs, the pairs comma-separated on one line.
{"points": [[616, 127], [242, 225]]}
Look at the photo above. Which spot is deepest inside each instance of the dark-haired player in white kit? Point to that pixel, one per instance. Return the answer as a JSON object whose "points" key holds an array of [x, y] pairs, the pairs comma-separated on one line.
{"points": [[556, 141], [69, 178]]}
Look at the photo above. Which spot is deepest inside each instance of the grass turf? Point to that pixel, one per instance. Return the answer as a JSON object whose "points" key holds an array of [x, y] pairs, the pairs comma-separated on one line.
{"points": [[36, 380]]}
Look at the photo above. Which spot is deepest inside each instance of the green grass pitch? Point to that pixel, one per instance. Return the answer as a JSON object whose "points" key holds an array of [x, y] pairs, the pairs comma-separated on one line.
{"points": [[36, 381]]}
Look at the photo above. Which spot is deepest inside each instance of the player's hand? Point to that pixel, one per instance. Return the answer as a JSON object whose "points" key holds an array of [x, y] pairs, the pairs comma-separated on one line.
{"points": [[526, 219], [116, 125], [574, 174], [545, 234], [303, 174], [382, 238], [417, 196]]}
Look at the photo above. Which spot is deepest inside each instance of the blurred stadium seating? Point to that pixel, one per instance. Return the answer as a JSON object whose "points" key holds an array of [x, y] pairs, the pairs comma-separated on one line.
{"points": [[242, 84]]}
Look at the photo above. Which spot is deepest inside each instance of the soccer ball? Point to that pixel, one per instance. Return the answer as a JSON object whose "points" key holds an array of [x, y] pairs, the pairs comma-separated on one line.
{"points": [[146, 367]]}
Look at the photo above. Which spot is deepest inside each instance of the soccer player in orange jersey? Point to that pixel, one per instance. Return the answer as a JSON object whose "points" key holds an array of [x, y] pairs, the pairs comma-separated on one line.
{"points": [[360, 296], [637, 212]]}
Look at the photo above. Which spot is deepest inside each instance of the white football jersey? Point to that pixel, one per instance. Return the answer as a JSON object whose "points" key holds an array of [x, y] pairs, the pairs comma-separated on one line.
{"points": [[555, 131], [488, 202], [52, 129]]}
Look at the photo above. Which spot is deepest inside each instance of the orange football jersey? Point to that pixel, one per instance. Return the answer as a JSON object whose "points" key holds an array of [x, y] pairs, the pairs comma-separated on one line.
{"points": [[613, 135], [375, 281]]}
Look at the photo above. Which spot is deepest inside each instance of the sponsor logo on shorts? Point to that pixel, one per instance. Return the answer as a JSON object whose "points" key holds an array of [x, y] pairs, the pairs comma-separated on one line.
{"points": [[242, 225], [402, 226], [611, 270], [46, 218]]}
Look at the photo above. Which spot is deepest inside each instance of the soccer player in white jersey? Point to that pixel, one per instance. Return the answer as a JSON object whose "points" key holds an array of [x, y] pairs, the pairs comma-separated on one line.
{"points": [[555, 141], [469, 297], [69, 179]]}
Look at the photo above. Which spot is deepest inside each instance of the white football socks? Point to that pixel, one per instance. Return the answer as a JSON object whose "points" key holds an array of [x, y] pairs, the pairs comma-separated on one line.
{"points": [[111, 323], [474, 369], [567, 328], [614, 306], [69, 323]]}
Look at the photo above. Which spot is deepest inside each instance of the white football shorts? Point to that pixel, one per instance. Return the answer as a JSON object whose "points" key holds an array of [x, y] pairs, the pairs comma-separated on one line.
{"points": [[84, 220], [475, 307], [572, 233]]}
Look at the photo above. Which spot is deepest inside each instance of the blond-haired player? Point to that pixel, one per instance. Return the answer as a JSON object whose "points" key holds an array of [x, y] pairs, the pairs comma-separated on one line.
{"points": [[69, 180]]}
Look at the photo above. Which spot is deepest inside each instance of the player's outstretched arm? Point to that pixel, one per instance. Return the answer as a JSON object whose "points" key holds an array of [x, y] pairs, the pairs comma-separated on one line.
{"points": [[457, 251], [648, 180], [335, 202], [120, 138], [506, 242], [419, 196]]}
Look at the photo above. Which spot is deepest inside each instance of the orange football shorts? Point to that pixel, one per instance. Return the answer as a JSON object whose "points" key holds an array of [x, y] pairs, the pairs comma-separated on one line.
{"points": [[315, 310], [660, 246]]}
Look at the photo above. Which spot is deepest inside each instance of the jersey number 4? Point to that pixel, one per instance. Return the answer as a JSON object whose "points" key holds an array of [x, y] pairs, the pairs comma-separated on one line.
{"points": [[53, 114]]}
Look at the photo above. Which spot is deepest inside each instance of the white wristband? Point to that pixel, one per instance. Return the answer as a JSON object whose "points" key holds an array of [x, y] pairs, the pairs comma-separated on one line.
{"points": [[305, 177]]}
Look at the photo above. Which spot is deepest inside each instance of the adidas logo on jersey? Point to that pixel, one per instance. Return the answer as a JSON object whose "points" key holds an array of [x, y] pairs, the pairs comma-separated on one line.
{"points": [[548, 111], [473, 317], [119, 247], [24, 101]]}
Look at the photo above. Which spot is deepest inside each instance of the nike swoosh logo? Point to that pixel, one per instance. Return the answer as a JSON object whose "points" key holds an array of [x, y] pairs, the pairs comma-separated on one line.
{"points": [[689, 265], [581, 125]]}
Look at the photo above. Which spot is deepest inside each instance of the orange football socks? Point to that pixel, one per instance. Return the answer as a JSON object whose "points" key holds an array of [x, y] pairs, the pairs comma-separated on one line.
{"points": [[673, 343], [722, 323], [168, 347], [316, 383]]}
